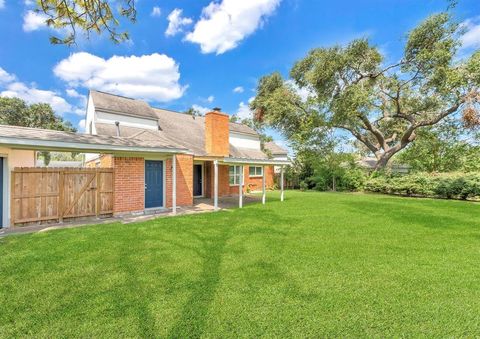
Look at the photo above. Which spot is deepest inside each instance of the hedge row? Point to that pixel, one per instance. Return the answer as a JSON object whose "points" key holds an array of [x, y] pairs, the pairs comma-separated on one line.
{"points": [[445, 185]]}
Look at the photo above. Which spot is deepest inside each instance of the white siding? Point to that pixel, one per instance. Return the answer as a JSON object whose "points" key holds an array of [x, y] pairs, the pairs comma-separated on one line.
{"points": [[244, 141], [125, 120], [90, 118]]}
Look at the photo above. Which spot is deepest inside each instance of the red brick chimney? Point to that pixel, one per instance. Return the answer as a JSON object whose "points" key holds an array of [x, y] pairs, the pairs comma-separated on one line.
{"points": [[216, 133]]}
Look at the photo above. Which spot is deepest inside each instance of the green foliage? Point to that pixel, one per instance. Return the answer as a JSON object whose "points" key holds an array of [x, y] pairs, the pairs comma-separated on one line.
{"points": [[382, 106], [446, 185], [87, 17], [16, 112], [441, 148], [193, 112], [336, 172]]}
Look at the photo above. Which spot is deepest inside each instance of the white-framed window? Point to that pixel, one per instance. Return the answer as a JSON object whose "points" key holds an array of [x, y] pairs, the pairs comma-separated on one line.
{"points": [[234, 175], [255, 171]]}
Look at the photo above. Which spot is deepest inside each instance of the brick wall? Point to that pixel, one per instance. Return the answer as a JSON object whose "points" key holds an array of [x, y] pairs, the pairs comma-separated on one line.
{"points": [[217, 134], [224, 188], [255, 183], [129, 184], [184, 180]]}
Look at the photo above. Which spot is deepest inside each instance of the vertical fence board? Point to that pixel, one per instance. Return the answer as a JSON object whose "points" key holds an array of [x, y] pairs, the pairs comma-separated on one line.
{"points": [[42, 194]]}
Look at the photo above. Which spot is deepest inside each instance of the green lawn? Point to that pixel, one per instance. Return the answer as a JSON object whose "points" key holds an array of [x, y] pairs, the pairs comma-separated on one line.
{"points": [[319, 264]]}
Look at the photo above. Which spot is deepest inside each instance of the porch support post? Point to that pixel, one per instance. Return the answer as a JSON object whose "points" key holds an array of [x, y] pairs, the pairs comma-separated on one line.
{"points": [[264, 195], [174, 184], [240, 188], [281, 183], [215, 185]]}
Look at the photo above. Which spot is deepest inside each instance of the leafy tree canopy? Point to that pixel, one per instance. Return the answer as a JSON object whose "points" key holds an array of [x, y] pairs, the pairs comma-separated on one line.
{"points": [[384, 106], [71, 16], [442, 148], [16, 112]]}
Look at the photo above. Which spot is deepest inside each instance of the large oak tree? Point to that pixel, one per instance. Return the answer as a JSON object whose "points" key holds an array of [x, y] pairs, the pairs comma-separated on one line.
{"points": [[382, 105]]}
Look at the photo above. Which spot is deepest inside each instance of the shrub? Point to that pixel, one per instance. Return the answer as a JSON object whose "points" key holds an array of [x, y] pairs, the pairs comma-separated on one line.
{"points": [[445, 185], [303, 186]]}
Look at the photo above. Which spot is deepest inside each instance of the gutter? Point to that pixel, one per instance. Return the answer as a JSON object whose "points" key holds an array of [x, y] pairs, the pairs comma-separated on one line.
{"points": [[49, 145], [256, 161]]}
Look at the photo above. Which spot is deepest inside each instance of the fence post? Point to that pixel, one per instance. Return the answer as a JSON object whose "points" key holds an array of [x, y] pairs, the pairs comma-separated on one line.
{"points": [[61, 188], [97, 193]]}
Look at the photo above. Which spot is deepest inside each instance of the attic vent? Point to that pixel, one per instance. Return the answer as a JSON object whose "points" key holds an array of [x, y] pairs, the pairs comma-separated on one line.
{"points": [[117, 124]]}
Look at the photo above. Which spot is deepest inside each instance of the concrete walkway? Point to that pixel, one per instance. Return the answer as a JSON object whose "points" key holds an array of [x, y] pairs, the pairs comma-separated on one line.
{"points": [[200, 205]]}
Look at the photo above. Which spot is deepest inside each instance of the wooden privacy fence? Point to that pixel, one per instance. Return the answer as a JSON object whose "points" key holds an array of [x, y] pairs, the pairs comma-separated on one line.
{"points": [[49, 194]]}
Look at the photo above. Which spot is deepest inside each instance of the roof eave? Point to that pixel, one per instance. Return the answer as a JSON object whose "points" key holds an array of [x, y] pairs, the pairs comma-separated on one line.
{"points": [[246, 161], [49, 145]]}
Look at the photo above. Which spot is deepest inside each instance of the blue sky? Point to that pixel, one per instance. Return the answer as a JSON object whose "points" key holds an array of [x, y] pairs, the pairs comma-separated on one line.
{"points": [[202, 53]]}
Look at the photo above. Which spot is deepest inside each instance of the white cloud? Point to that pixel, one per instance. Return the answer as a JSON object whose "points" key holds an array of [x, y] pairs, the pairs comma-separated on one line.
{"points": [[201, 109], [12, 88], [471, 38], [153, 77], [304, 92], [73, 93], [224, 25], [210, 99], [5, 77], [33, 21], [244, 111], [156, 11], [238, 89], [81, 125], [2, 4], [33, 95], [176, 22]]}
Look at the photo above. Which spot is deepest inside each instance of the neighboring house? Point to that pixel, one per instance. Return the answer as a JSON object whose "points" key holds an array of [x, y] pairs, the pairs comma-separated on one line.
{"points": [[161, 158], [368, 164]]}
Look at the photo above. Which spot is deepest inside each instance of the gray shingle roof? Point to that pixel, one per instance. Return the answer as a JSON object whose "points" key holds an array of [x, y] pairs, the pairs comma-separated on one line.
{"points": [[180, 129], [275, 149], [121, 105], [247, 153], [32, 134]]}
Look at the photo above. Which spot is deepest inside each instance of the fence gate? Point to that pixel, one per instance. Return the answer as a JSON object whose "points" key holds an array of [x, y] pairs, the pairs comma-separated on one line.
{"points": [[42, 194]]}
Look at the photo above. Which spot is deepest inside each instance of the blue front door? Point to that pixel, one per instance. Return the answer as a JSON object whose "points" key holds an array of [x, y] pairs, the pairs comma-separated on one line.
{"points": [[153, 184], [1, 192]]}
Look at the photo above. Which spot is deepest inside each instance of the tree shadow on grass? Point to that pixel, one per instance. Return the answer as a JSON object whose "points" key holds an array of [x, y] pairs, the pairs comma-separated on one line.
{"points": [[146, 320], [193, 316]]}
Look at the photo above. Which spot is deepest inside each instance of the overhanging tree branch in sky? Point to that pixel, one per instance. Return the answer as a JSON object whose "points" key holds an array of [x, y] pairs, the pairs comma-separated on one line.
{"points": [[87, 16]]}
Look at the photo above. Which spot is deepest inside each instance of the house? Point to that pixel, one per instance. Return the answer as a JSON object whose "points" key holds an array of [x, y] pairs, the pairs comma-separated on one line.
{"points": [[161, 159], [368, 164]]}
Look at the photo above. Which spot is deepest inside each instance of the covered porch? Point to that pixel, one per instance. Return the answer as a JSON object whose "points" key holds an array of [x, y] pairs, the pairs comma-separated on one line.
{"points": [[225, 182]]}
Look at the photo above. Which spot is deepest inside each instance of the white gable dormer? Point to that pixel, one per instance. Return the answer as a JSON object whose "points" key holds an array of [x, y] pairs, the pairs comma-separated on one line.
{"points": [[126, 111]]}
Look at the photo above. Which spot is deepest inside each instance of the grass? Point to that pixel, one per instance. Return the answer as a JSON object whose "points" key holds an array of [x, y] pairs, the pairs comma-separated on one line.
{"points": [[319, 264]]}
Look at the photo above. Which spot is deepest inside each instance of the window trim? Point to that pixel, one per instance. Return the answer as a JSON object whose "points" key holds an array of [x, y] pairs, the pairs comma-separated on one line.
{"points": [[235, 176], [255, 175]]}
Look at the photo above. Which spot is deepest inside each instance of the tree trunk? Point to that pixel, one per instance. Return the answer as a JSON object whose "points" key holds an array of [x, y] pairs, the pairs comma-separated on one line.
{"points": [[334, 184], [382, 161]]}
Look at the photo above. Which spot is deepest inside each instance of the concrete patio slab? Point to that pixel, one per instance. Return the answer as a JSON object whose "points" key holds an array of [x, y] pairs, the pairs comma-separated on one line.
{"points": [[200, 205]]}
